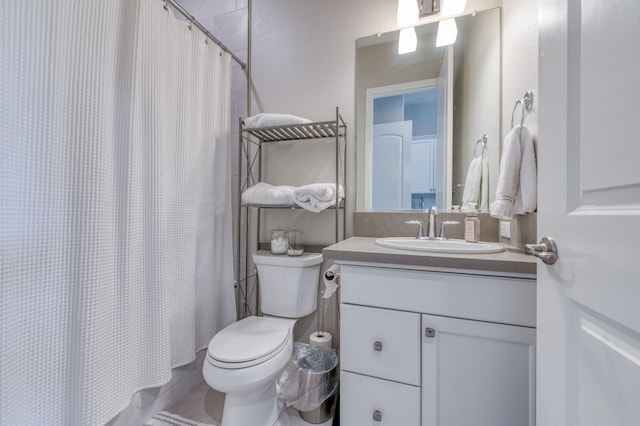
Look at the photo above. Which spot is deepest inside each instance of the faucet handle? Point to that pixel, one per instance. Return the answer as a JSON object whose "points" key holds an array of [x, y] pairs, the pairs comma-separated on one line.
{"points": [[443, 227], [420, 227]]}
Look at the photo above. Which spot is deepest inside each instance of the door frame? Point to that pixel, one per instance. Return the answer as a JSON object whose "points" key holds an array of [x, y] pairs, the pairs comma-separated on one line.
{"points": [[371, 94]]}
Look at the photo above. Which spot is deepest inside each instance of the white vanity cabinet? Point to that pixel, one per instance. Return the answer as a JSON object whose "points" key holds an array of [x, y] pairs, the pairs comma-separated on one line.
{"points": [[429, 348]]}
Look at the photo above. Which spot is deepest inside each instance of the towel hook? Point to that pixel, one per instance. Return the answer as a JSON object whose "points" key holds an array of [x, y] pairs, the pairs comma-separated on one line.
{"points": [[526, 102]]}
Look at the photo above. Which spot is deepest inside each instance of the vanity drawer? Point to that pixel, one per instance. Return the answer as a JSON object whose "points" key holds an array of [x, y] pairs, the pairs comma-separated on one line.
{"points": [[381, 343], [369, 401], [484, 298]]}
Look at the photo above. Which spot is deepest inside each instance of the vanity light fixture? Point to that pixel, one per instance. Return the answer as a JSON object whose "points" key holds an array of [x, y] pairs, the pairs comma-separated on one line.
{"points": [[407, 13], [447, 32], [407, 42], [407, 18], [452, 7]]}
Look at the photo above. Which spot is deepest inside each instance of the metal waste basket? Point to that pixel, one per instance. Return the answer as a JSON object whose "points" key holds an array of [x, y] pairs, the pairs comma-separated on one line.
{"points": [[310, 383]]}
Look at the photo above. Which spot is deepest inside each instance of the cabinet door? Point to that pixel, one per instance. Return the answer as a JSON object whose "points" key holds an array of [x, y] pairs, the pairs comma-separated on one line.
{"points": [[477, 373], [368, 401], [422, 166]]}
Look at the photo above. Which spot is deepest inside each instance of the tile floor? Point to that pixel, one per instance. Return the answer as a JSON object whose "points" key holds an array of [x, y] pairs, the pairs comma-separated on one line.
{"points": [[205, 405], [202, 404]]}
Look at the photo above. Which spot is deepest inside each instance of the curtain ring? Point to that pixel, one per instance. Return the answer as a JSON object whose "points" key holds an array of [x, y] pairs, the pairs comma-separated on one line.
{"points": [[166, 6], [190, 24]]}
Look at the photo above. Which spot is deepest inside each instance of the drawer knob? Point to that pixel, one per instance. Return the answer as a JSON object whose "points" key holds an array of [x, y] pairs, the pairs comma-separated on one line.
{"points": [[377, 346], [430, 332], [377, 415]]}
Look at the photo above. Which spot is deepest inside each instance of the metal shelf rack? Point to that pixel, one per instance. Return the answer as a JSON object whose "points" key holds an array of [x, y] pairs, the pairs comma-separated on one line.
{"points": [[250, 151]]}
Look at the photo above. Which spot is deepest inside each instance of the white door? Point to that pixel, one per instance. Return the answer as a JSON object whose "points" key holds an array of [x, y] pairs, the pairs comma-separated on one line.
{"points": [[477, 373], [391, 166], [589, 175]]}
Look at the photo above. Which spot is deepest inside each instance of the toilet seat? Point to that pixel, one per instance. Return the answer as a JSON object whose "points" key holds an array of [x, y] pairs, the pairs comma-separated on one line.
{"points": [[250, 341]]}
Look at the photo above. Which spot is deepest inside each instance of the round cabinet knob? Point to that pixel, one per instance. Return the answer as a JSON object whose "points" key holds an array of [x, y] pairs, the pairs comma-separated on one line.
{"points": [[377, 346], [377, 415], [430, 332]]}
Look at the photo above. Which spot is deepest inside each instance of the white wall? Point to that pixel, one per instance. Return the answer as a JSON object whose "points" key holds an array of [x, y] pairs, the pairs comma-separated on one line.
{"points": [[519, 59], [303, 63]]}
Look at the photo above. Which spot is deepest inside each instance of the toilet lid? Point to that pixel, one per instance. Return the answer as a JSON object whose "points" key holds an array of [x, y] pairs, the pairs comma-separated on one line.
{"points": [[249, 339]]}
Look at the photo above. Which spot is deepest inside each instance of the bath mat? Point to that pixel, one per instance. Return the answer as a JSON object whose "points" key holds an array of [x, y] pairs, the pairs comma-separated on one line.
{"points": [[165, 418]]}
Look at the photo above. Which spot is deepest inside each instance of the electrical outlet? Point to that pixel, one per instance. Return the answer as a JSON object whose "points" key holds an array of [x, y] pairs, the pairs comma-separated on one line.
{"points": [[505, 229]]}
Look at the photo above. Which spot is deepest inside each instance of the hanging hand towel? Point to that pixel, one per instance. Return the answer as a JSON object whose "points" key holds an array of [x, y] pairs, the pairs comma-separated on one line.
{"points": [[269, 120], [472, 185], [516, 192], [484, 185], [264, 193], [317, 196]]}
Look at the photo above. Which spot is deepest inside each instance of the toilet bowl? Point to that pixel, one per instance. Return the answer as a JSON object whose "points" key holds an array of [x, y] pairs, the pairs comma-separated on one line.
{"points": [[245, 359]]}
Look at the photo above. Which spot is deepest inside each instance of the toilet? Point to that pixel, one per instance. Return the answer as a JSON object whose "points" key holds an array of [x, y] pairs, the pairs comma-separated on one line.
{"points": [[244, 359]]}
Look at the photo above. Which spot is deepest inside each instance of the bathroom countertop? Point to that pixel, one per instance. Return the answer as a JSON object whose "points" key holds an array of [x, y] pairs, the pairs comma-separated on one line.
{"points": [[364, 249]]}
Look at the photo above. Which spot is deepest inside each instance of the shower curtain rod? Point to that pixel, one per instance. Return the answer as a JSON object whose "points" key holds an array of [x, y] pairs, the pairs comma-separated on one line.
{"points": [[193, 21]]}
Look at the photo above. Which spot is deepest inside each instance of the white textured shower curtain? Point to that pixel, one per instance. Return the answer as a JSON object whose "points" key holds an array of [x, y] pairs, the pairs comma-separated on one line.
{"points": [[116, 259]]}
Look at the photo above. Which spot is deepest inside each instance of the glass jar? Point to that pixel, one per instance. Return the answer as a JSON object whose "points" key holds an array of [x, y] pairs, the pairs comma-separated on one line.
{"points": [[279, 243], [296, 245]]}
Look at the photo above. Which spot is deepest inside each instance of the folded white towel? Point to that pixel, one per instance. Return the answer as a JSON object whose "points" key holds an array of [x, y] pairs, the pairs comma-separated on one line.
{"points": [[266, 194], [516, 192], [317, 196], [268, 120]]}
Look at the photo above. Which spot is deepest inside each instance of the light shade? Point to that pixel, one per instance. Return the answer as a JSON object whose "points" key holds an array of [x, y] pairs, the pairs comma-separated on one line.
{"points": [[408, 13], [452, 7], [408, 42], [447, 32]]}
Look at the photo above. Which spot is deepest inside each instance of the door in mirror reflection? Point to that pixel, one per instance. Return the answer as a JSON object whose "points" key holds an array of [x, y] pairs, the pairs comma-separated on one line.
{"points": [[405, 145]]}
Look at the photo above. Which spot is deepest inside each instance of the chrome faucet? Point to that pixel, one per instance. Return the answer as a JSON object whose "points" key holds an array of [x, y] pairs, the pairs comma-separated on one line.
{"points": [[431, 223]]}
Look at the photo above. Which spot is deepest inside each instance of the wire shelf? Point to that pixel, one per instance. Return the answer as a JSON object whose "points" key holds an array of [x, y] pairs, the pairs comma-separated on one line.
{"points": [[318, 130]]}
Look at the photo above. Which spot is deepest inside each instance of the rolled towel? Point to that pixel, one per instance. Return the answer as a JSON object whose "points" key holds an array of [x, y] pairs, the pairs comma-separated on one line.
{"points": [[266, 194], [516, 192], [269, 120], [317, 196]]}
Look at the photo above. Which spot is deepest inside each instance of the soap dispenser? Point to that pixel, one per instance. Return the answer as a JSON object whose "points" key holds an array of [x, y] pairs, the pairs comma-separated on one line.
{"points": [[472, 227]]}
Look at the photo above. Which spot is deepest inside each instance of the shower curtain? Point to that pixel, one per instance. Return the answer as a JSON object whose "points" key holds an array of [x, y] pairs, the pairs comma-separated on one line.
{"points": [[116, 259]]}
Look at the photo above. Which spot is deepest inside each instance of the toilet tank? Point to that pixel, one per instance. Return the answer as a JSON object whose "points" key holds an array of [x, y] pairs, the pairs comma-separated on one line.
{"points": [[288, 284]]}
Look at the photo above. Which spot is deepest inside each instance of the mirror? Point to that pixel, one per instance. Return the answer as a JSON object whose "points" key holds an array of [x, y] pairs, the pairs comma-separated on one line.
{"points": [[420, 115]]}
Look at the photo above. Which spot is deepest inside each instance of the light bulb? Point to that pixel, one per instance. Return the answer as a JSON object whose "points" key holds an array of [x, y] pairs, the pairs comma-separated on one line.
{"points": [[452, 7], [407, 13], [408, 42], [447, 32]]}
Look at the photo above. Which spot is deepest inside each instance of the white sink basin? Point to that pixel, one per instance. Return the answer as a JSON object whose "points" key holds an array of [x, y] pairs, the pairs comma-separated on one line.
{"points": [[439, 246]]}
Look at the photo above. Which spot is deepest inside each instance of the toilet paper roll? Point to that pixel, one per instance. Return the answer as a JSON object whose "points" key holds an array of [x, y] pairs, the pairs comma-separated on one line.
{"points": [[320, 339], [330, 280]]}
